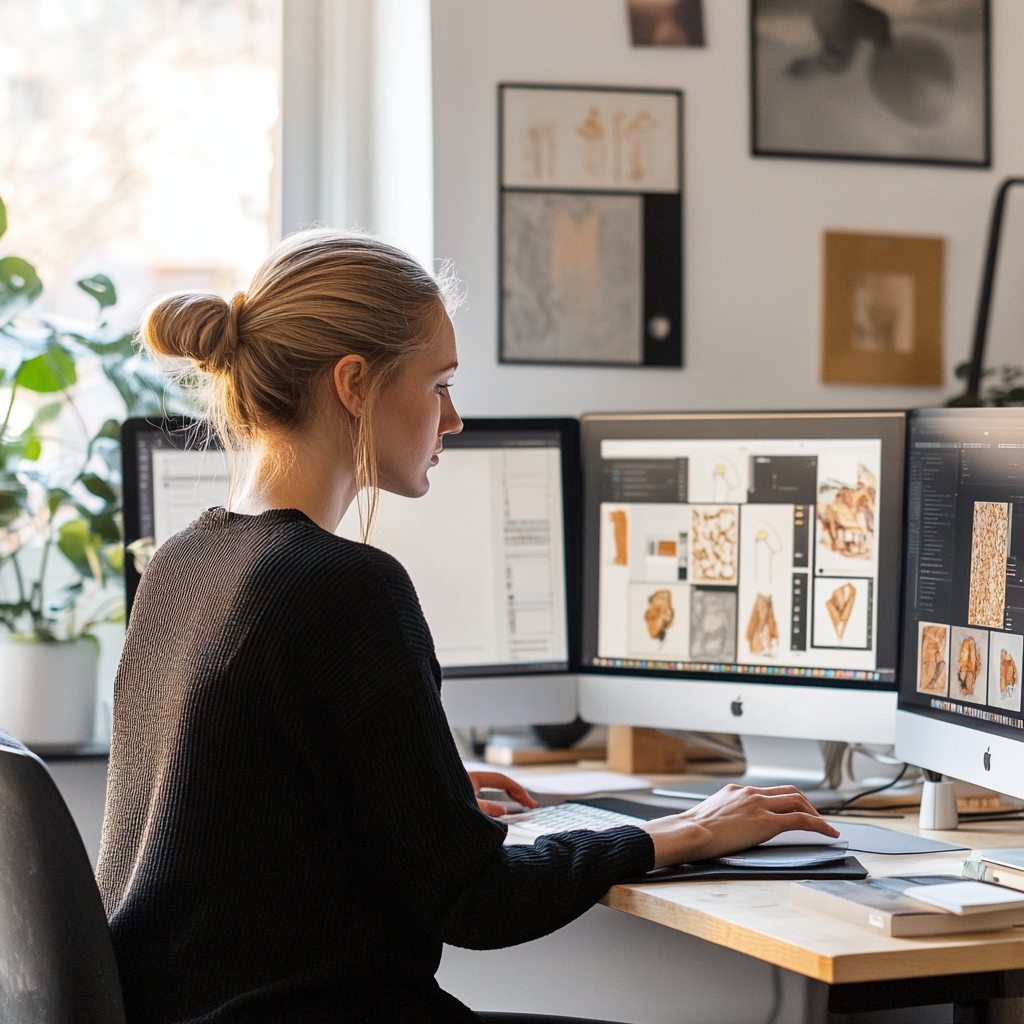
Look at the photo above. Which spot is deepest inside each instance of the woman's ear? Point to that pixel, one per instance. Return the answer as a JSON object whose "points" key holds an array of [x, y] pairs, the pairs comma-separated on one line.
{"points": [[349, 377]]}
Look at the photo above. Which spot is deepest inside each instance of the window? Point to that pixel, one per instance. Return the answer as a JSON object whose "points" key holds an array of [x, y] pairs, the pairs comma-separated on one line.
{"points": [[137, 139]]}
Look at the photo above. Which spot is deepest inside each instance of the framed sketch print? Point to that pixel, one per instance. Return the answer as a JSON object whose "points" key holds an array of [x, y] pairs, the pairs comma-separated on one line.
{"points": [[882, 320], [591, 229], [903, 80]]}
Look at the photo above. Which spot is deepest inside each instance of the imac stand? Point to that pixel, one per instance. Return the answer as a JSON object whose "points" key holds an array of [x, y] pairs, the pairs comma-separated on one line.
{"points": [[810, 765], [938, 803]]}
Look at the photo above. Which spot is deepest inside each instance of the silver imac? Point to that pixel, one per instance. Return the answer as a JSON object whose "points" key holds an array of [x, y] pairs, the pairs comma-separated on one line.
{"points": [[963, 610], [741, 574]]}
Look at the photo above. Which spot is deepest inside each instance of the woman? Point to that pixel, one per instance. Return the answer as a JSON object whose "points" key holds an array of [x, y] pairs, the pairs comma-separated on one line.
{"points": [[290, 834]]}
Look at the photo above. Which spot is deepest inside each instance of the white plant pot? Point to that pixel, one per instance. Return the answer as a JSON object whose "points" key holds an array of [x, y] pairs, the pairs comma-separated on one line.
{"points": [[48, 692]]}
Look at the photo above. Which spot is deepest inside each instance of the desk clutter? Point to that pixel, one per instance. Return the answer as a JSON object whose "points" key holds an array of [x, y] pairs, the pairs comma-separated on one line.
{"points": [[876, 905]]}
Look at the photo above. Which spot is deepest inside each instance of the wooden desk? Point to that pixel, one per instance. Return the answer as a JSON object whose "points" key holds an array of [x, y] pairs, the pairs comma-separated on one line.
{"points": [[856, 969], [849, 969]]}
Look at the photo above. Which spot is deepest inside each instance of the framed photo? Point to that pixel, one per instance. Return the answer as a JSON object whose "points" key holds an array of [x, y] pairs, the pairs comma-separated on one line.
{"points": [[590, 230], [882, 318], [898, 80], [666, 22]]}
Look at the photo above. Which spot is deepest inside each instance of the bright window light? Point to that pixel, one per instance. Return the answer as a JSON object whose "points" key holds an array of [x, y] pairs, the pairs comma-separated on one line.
{"points": [[137, 139]]}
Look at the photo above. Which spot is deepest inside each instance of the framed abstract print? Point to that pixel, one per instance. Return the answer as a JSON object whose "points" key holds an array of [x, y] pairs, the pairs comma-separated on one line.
{"points": [[591, 226], [897, 80]]}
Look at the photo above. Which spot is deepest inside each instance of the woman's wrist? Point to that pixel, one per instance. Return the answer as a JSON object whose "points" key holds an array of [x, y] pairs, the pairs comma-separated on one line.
{"points": [[676, 841]]}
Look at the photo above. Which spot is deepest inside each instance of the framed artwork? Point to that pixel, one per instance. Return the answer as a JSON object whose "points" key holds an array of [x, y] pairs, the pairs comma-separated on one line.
{"points": [[897, 80], [666, 22], [590, 232], [882, 318]]}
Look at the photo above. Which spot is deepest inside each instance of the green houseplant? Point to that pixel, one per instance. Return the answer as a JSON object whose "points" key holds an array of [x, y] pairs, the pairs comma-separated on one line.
{"points": [[1000, 386], [61, 554]]}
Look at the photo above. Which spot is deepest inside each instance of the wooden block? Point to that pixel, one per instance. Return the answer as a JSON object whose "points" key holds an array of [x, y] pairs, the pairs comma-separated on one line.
{"points": [[540, 755], [632, 749]]}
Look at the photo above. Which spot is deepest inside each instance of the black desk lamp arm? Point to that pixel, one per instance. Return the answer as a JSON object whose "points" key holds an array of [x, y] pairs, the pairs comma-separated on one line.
{"points": [[987, 288]]}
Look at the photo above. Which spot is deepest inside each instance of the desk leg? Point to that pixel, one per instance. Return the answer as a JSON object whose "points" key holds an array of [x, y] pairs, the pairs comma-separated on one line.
{"points": [[990, 1011], [815, 1002], [971, 1013]]}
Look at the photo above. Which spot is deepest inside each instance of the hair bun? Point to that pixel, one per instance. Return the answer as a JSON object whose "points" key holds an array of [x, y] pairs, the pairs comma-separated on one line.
{"points": [[200, 326]]}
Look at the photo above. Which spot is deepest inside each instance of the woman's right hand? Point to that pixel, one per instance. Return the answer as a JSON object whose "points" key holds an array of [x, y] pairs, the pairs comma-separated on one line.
{"points": [[735, 818]]}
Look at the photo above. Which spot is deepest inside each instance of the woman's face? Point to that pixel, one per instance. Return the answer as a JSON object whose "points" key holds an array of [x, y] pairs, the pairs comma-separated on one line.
{"points": [[414, 414]]}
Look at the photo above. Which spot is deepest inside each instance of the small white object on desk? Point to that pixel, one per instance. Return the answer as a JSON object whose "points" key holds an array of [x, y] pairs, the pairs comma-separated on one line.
{"points": [[580, 783], [567, 783], [938, 806]]}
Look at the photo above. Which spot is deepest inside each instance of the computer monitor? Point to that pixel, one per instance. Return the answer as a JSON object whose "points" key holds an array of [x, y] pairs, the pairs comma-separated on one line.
{"points": [[963, 609], [741, 574], [493, 550]]}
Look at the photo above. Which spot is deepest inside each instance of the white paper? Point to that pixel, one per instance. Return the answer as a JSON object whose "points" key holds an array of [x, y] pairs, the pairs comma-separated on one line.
{"points": [[580, 783]]}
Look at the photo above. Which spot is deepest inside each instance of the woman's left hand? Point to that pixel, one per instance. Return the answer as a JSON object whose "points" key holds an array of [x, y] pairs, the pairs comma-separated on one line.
{"points": [[495, 780]]}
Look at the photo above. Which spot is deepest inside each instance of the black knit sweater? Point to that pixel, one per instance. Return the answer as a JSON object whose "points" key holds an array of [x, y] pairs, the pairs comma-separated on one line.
{"points": [[290, 834]]}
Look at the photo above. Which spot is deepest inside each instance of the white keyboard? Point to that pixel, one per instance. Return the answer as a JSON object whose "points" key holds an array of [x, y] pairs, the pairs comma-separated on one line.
{"points": [[568, 818]]}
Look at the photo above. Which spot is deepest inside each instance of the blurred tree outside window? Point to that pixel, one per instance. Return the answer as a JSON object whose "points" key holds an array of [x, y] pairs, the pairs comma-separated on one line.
{"points": [[138, 139]]}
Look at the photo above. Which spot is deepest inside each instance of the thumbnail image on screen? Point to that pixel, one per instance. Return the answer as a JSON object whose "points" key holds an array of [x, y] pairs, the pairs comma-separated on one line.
{"points": [[745, 556], [963, 630]]}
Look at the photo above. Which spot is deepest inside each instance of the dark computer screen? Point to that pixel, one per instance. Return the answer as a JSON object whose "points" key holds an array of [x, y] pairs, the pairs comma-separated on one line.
{"points": [[963, 611]]}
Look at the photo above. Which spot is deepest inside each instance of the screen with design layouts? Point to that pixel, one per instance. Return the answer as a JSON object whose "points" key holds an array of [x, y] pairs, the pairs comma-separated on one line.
{"points": [[743, 556], [963, 629]]}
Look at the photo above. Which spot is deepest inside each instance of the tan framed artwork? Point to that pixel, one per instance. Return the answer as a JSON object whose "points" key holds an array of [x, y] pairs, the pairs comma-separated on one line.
{"points": [[882, 315]]}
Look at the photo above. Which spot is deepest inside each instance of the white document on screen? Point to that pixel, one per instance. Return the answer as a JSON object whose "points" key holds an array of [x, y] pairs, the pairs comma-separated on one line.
{"points": [[185, 484], [484, 549]]}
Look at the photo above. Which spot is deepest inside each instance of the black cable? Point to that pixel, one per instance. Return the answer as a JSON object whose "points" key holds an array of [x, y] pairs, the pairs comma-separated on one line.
{"points": [[995, 814], [867, 792], [993, 817]]}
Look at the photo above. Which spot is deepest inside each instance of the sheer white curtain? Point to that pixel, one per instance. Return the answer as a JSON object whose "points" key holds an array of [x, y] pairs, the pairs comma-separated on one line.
{"points": [[356, 140]]}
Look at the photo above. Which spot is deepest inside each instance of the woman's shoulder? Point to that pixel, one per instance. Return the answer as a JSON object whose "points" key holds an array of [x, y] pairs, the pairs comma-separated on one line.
{"points": [[280, 551]]}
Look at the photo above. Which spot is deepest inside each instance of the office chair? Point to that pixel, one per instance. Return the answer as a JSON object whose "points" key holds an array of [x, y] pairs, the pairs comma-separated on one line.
{"points": [[56, 959]]}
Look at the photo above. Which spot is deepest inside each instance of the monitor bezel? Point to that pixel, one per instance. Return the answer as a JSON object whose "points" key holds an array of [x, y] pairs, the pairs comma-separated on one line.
{"points": [[989, 731], [185, 433], [888, 425], [189, 433]]}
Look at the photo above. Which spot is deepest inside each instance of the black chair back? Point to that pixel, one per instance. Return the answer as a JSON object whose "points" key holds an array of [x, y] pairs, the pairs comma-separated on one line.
{"points": [[57, 962]]}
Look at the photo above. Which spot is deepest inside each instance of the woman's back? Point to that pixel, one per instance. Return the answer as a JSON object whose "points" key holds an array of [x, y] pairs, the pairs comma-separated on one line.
{"points": [[236, 852]]}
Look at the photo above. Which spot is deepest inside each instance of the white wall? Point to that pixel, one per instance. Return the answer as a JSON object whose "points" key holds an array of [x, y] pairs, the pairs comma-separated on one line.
{"points": [[752, 226]]}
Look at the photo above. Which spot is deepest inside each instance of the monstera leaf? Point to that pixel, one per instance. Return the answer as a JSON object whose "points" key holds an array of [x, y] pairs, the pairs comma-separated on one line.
{"points": [[101, 288], [54, 370], [81, 547], [19, 287]]}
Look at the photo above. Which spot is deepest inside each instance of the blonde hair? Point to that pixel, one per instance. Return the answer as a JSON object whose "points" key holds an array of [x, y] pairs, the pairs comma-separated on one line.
{"points": [[260, 358]]}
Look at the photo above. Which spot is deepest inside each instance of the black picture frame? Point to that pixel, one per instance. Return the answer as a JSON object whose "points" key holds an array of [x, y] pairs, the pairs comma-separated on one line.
{"points": [[657, 217], [938, 114]]}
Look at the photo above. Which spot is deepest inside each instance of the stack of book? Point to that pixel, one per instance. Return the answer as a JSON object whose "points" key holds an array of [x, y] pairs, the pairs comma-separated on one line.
{"points": [[911, 906], [1003, 867]]}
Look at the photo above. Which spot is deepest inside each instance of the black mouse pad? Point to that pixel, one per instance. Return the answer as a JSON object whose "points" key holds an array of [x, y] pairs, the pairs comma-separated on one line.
{"points": [[713, 871]]}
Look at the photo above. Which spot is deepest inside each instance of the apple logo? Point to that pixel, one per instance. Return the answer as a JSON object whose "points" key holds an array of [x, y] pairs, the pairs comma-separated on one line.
{"points": [[736, 707], [987, 760]]}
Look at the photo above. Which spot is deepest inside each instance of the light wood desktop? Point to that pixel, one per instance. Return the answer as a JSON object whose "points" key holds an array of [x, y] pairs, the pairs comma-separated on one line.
{"points": [[855, 969]]}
